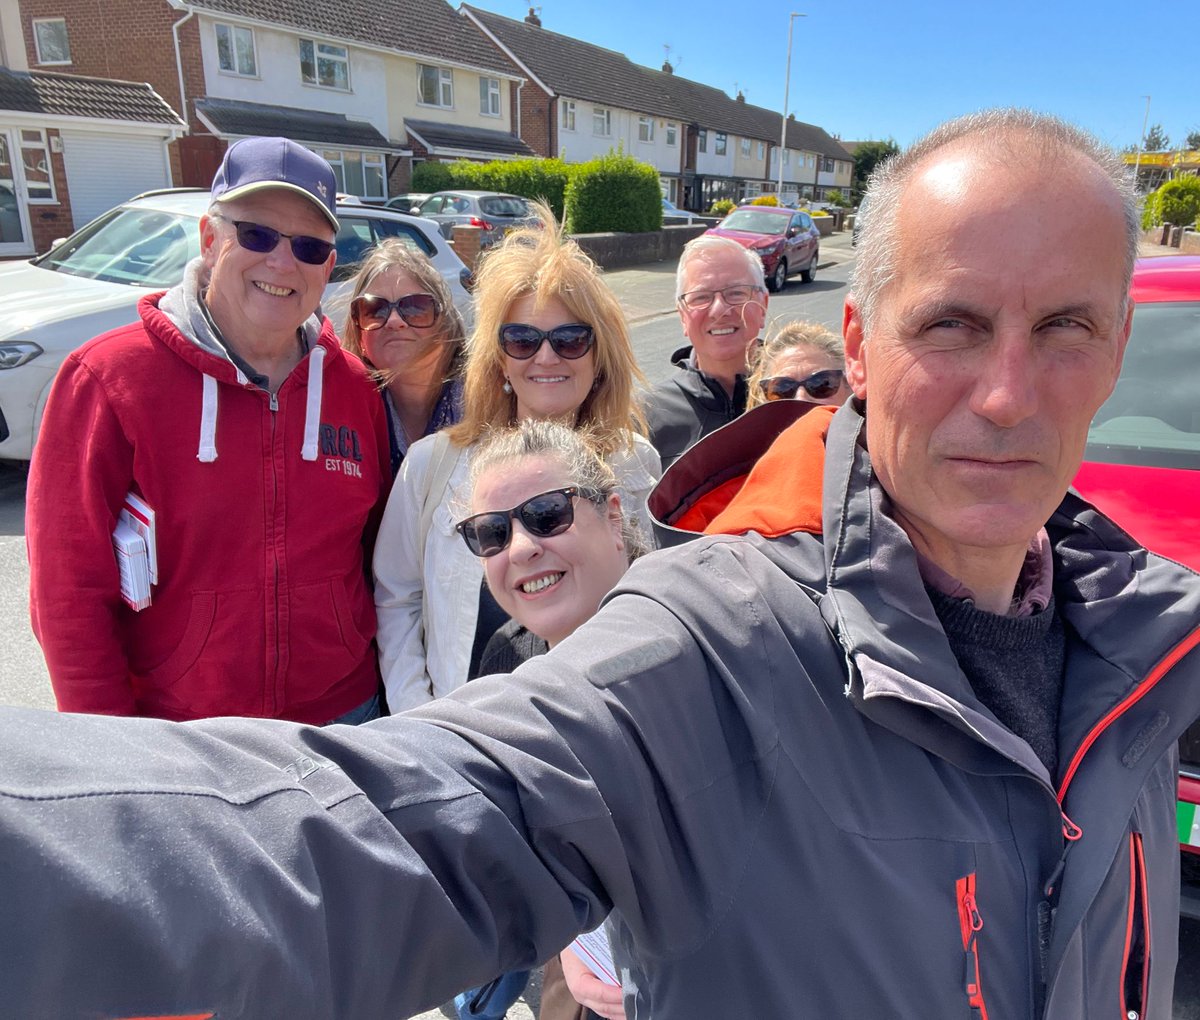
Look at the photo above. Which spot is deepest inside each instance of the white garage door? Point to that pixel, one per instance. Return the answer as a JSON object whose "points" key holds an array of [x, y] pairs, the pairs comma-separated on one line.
{"points": [[105, 170]]}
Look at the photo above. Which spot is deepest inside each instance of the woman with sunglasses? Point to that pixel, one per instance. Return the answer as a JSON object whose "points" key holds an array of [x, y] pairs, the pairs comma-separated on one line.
{"points": [[404, 326], [545, 518], [550, 343], [802, 361]]}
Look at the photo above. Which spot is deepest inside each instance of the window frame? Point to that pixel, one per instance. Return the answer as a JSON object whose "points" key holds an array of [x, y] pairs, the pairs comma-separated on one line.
{"points": [[721, 144], [672, 133], [233, 29], [37, 23], [702, 140], [746, 148], [603, 113], [485, 98], [443, 86], [336, 158], [567, 113], [762, 149], [316, 44], [645, 128], [43, 144]]}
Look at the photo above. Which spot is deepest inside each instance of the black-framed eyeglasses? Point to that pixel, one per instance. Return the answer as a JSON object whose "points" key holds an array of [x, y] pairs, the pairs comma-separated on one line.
{"points": [[735, 296], [370, 311], [258, 238], [819, 386], [544, 515], [571, 340]]}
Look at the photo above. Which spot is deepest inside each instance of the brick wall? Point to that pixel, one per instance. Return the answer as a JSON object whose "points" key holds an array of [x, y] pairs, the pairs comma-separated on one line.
{"points": [[399, 175], [538, 127], [125, 39]]}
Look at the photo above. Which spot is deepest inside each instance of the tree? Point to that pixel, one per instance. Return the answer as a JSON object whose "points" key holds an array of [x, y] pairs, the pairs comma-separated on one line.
{"points": [[1193, 139], [1156, 139], [868, 155]]}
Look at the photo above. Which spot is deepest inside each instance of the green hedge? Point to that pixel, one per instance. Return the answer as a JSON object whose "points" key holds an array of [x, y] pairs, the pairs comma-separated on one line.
{"points": [[615, 192], [532, 178], [1177, 202]]}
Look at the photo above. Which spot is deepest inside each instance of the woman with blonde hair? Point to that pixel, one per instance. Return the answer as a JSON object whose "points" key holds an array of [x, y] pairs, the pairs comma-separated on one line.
{"points": [[403, 324], [801, 361], [550, 342]]}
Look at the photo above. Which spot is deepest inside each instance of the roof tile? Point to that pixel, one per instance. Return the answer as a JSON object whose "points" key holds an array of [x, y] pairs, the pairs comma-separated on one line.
{"points": [[72, 95]]}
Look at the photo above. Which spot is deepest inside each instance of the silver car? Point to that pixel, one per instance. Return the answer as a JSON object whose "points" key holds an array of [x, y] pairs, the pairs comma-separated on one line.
{"points": [[91, 283], [493, 212]]}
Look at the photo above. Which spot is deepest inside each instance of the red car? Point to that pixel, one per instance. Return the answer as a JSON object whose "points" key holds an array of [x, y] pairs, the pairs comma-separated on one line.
{"points": [[786, 240], [1142, 465]]}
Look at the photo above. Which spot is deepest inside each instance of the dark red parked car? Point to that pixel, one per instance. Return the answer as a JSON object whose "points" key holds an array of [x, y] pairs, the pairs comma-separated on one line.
{"points": [[786, 240], [1142, 465]]}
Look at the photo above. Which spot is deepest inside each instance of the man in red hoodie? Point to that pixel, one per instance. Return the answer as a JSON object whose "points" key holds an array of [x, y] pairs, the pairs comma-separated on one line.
{"points": [[229, 413]]}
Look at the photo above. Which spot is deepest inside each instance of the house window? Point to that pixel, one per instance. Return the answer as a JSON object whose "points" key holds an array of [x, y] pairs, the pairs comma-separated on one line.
{"points": [[721, 143], [745, 146], [357, 173], [50, 37], [762, 149], [489, 97], [235, 50], [827, 165], [435, 86], [671, 133], [568, 114], [702, 140], [35, 157], [601, 122], [645, 129], [324, 64], [786, 154]]}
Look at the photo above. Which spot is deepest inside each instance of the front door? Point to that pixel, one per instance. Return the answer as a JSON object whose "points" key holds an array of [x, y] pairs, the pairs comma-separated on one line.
{"points": [[15, 238]]}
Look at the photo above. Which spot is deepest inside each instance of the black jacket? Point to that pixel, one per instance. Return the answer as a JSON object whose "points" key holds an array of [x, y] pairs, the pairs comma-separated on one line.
{"points": [[688, 406]]}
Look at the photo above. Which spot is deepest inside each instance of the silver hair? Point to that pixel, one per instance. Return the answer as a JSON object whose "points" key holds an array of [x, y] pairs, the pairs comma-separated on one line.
{"points": [[705, 245], [573, 448], [1005, 135]]}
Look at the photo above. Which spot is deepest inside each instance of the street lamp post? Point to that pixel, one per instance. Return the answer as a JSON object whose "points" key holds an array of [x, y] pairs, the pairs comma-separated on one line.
{"points": [[1137, 163], [787, 81]]}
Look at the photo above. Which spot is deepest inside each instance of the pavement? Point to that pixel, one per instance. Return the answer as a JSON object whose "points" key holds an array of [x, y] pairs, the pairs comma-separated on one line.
{"points": [[648, 291]]}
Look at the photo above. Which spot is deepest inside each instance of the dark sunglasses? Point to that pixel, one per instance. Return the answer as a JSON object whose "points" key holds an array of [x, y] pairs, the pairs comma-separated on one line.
{"points": [[544, 515], [256, 237], [370, 311], [819, 385], [572, 340]]}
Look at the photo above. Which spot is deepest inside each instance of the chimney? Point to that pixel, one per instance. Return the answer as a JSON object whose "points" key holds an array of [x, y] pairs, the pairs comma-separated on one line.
{"points": [[667, 67], [532, 18], [741, 96], [791, 116]]}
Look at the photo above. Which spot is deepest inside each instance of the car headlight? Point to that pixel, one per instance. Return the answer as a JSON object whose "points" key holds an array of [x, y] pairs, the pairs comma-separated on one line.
{"points": [[15, 353]]}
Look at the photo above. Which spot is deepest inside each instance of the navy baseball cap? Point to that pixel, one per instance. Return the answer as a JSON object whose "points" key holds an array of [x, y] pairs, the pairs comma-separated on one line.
{"points": [[256, 164]]}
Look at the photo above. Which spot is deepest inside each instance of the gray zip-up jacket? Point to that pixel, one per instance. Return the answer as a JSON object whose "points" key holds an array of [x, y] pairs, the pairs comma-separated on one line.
{"points": [[760, 750]]}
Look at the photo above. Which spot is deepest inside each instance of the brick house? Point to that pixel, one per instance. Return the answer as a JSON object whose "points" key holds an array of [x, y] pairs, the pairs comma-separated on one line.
{"points": [[341, 78]]}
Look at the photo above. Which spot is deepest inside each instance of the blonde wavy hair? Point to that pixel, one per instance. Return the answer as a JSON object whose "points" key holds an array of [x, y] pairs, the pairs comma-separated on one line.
{"points": [[539, 260], [794, 334]]}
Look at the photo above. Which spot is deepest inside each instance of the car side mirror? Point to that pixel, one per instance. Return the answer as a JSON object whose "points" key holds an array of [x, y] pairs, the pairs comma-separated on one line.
{"points": [[415, 211], [793, 231]]}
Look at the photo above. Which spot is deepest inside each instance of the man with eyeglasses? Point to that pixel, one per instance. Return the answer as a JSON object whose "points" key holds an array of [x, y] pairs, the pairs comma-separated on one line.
{"points": [[896, 739], [247, 454], [721, 298]]}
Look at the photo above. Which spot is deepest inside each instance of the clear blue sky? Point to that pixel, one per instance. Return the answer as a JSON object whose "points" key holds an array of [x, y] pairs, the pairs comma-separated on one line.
{"points": [[873, 69]]}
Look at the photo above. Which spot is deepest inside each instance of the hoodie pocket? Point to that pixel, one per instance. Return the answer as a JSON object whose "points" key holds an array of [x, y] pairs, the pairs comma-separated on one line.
{"points": [[1135, 964], [970, 923]]}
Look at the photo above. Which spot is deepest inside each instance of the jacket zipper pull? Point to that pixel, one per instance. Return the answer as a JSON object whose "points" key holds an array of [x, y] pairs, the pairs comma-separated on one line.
{"points": [[274, 404]]}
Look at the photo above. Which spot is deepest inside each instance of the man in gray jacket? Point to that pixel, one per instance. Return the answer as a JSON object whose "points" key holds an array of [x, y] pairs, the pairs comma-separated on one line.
{"points": [[896, 742]]}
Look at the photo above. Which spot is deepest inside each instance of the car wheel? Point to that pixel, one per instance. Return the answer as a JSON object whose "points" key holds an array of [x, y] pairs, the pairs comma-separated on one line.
{"points": [[779, 276], [810, 274]]}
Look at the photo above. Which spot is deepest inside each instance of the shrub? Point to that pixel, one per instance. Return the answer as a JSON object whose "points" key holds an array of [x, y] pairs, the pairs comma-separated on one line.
{"points": [[1151, 211], [1179, 201], [722, 207], [835, 197], [531, 178], [821, 212], [765, 200], [615, 192]]}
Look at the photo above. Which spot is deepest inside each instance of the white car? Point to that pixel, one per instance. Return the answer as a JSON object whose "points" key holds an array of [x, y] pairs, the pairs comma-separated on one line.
{"points": [[91, 283], [673, 214]]}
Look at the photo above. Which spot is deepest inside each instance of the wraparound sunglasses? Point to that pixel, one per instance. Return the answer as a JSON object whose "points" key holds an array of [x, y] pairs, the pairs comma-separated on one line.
{"points": [[255, 237], [370, 311], [544, 515], [571, 340], [819, 385]]}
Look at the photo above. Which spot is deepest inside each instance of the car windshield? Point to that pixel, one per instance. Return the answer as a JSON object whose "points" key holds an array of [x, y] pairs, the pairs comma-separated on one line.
{"points": [[504, 205], [141, 247], [1153, 415], [756, 221]]}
